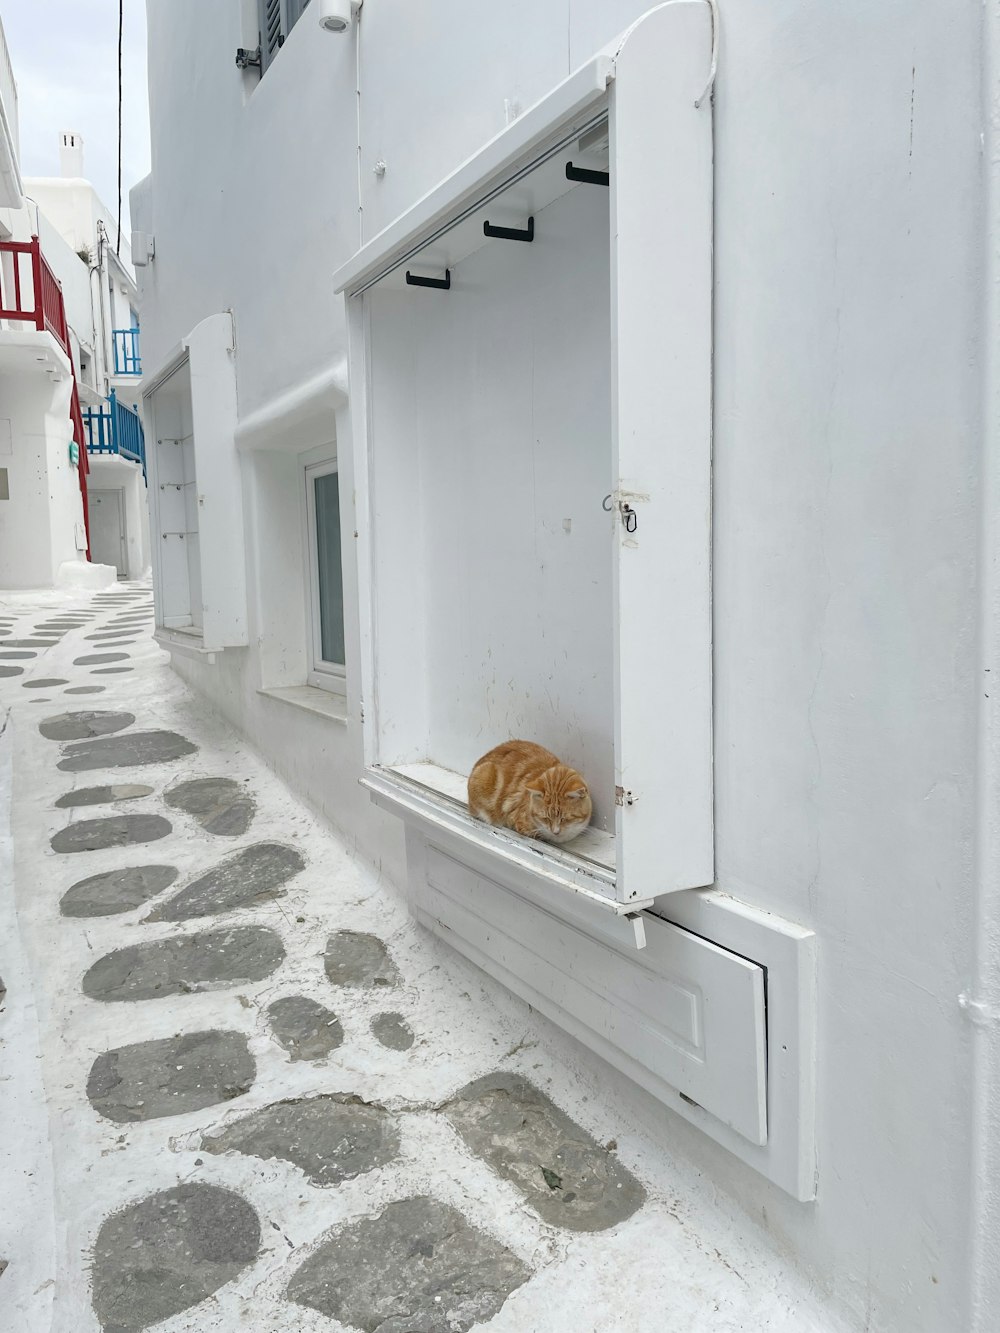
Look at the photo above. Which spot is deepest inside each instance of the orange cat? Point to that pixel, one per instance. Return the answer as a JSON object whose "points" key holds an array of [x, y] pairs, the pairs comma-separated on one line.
{"points": [[524, 787]]}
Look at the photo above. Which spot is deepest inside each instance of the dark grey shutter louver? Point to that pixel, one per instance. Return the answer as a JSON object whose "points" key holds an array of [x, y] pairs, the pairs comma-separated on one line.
{"points": [[271, 33]]}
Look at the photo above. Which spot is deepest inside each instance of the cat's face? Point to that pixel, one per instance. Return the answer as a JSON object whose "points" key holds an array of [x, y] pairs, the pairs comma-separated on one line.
{"points": [[560, 804]]}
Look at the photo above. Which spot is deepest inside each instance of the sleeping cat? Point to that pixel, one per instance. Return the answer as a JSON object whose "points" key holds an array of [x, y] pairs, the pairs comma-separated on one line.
{"points": [[524, 787]]}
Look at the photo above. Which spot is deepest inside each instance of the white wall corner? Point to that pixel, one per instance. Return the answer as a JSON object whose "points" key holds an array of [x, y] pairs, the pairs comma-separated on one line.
{"points": [[300, 419]]}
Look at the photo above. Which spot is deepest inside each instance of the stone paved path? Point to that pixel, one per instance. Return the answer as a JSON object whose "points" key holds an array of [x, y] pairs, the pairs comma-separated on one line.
{"points": [[244, 1091]]}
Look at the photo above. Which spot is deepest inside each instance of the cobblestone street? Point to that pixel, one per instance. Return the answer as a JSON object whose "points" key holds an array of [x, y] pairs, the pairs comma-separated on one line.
{"points": [[242, 1090]]}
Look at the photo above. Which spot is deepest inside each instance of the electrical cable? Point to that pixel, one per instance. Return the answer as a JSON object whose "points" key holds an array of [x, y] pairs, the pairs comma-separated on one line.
{"points": [[121, 24]]}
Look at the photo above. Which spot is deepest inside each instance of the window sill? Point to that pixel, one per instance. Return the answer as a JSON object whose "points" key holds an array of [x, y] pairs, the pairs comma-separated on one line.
{"points": [[488, 849], [185, 642], [311, 700]]}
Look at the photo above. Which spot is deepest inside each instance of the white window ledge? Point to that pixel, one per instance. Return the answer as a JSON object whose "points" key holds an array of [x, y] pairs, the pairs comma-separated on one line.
{"points": [[185, 642], [312, 700]]}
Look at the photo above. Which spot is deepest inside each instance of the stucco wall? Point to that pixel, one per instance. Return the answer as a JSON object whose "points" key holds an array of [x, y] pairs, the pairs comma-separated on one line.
{"points": [[108, 472], [75, 209], [38, 523], [74, 275], [847, 440]]}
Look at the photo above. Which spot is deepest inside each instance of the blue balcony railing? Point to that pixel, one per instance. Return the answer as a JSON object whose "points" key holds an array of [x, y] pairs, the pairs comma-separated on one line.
{"points": [[116, 429], [127, 360]]}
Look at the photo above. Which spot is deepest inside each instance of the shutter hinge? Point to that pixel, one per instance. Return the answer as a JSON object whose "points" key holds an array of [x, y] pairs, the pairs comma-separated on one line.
{"points": [[623, 797], [246, 59]]}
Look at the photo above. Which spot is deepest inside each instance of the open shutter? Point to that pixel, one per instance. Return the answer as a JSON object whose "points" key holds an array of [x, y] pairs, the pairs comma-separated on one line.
{"points": [[218, 475], [661, 201], [272, 30]]}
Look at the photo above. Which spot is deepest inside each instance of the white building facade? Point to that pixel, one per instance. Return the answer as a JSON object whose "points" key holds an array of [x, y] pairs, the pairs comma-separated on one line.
{"points": [[517, 381], [43, 530], [92, 258]]}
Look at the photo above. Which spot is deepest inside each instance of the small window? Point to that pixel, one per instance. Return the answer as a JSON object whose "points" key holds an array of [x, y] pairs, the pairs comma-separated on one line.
{"points": [[326, 575]]}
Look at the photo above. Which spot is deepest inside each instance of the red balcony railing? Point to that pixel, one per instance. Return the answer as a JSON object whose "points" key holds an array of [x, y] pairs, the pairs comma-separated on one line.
{"points": [[30, 293]]}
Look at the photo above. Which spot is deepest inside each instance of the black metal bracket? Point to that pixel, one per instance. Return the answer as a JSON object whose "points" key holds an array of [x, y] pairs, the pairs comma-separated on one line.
{"points": [[414, 280], [246, 59], [586, 176], [511, 233]]}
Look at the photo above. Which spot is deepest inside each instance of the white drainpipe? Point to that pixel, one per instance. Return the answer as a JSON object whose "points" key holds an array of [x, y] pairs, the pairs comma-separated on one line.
{"points": [[983, 1003]]}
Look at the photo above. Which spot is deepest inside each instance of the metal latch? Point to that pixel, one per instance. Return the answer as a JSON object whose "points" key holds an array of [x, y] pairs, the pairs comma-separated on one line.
{"points": [[246, 59], [630, 519], [623, 797]]}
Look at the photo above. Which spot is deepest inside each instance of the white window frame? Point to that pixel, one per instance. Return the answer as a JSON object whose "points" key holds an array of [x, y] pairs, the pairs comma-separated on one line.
{"points": [[330, 676], [650, 90]]}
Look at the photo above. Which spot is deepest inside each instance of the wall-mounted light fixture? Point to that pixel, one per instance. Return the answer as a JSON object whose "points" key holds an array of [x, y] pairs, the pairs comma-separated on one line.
{"points": [[336, 15]]}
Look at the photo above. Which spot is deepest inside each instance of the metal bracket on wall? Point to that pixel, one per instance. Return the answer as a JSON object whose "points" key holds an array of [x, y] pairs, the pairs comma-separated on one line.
{"points": [[587, 177], [511, 233], [414, 280]]}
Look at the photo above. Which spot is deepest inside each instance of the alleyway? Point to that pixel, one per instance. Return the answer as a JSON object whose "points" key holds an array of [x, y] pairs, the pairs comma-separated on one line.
{"points": [[241, 1090]]}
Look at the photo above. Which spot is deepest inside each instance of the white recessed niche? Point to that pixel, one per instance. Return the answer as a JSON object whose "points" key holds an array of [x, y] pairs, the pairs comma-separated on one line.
{"points": [[530, 352]]}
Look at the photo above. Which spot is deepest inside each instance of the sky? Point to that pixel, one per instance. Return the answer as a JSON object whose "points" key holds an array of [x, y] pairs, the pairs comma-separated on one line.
{"points": [[65, 59]]}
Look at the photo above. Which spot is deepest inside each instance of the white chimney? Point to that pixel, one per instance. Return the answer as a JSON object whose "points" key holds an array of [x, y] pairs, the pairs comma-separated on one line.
{"points": [[70, 154]]}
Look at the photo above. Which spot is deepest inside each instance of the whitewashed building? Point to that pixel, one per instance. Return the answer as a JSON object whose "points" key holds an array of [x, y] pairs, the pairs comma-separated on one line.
{"points": [[92, 258], [43, 323], [626, 381]]}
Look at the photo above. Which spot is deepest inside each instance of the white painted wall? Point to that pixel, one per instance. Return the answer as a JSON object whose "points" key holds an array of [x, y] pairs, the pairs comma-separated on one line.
{"points": [[40, 521], [849, 354], [75, 208], [460, 387], [72, 272], [108, 472], [73, 211], [8, 94]]}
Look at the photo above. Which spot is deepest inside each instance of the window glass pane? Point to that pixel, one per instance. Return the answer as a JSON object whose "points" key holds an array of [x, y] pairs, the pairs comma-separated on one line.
{"points": [[326, 490]]}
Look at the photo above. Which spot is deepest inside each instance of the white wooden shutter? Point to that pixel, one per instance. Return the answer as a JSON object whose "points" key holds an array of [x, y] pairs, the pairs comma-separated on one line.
{"points": [[661, 210], [212, 352]]}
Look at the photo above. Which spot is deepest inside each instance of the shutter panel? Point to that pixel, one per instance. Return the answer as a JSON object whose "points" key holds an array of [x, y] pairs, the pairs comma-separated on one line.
{"points": [[218, 472], [661, 229], [271, 31]]}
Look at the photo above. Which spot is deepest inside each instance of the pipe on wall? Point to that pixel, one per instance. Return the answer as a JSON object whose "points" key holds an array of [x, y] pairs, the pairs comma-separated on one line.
{"points": [[982, 1003]]}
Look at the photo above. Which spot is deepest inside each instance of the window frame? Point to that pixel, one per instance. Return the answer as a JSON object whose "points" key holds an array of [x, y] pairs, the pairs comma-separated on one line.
{"points": [[663, 801], [323, 675]]}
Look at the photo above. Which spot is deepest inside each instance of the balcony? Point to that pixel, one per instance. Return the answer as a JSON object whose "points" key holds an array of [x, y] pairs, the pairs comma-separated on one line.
{"points": [[30, 292], [116, 429], [34, 334], [31, 295], [126, 344]]}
